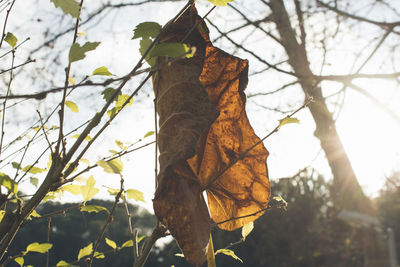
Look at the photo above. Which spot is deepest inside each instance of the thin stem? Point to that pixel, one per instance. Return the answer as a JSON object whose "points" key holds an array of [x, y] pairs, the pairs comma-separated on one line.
{"points": [[5, 23]]}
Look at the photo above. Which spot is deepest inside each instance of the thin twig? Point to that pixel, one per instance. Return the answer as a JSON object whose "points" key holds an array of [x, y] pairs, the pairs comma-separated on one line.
{"points": [[5, 23]]}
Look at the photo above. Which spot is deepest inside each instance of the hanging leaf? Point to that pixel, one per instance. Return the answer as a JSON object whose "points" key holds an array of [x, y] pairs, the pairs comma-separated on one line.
{"points": [[34, 181], [89, 191], [98, 255], [34, 214], [246, 230], [72, 106], [8, 183], [87, 138], [11, 39], [205, 142], [220, 2], [135, 194], [78, 52], [149, 133], [70, 7], [103, 71], [144, 44], [228, 252], [146, 30], [15, 165], [65, 264], [40, 248], [20, 261], [111, 243], [287, 120], [108, 92], [93, 208], [86, 251], [112, 166]]}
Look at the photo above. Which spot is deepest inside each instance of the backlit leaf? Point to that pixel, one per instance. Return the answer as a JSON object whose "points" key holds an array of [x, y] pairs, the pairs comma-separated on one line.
{"points": [[33, 170], [20, 261], [98, 255], [87, 138], [65, 264], [70, 7], [112, 191], [144, 44], [135, 194], [146, 30], [220, 2], [122, 99], [34, 214], [228, 252], [119, 144], [81, 34], [108, 92], [149, 133], [112, 166], [93, 208], [287, 120], [15, 165], [78, 52], [72, 106], [8, 183], [72, 188], [246, 229], [11, 39], [103, 71], [129, 243], [40, 248], [86, 251], [111, 243], [71, 80], [169, 49], [2, 212], [89, 191], [86, 161]]}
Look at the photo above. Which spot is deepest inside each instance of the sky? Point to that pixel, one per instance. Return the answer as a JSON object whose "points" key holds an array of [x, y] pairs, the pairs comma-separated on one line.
{"points": [[369, 135]]}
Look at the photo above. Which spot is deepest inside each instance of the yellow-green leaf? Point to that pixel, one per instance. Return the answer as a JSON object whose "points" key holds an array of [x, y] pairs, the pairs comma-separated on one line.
{"points": [[129, 243], [70, 7], [40, 248], [65, 264], [72, 106], [72, 188], [34, 214], [246, 229], [33, 170], [144, 44], [34, 181], [87, 138], [169, 49], [89, 191], [135, 194], [93, 208], [19, 260], [86, 161], [98, 255], [71, 80], [149, 133], [228, 252], [111, 243], [86, 251], [11, 39], [287, 120], [103, 71], [8, 183], [2, 212], [15, 165], [119, 144], [78, 52], [81, 34], [113, 191], [220, 2], [122, 99], [112, 166]]}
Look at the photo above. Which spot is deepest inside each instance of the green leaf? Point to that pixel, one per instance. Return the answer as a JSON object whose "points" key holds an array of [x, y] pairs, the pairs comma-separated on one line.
{"points": [[129, 243], [77, 52], [108, 92], [98, 255], [8, 183], [287, 120], [112, 166], [246, 230], [40, 248], [103, 71], [15, 165], [228, 252], [111, 243], [149, 133], [11, 39], [87, 138], [169, 49], [19, 260], [72, 106], [144, 44], [119, 144], [135, 194], [89, 191], [72, 188], [33, 170], [220, 2], [2, 213], [65, 264], [146, 30], [70, 7], [34, 181], [86, 251], [93, 208]]}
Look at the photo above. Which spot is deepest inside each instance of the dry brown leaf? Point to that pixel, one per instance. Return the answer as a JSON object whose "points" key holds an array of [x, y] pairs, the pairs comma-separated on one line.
{"points": [[204, 130]]}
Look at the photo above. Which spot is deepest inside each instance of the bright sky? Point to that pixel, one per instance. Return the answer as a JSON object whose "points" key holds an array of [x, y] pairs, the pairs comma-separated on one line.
{"points": [[370, 136]]}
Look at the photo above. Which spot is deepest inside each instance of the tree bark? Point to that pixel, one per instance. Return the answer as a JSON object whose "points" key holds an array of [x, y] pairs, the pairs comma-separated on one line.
{"points": [[348, 193]]}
